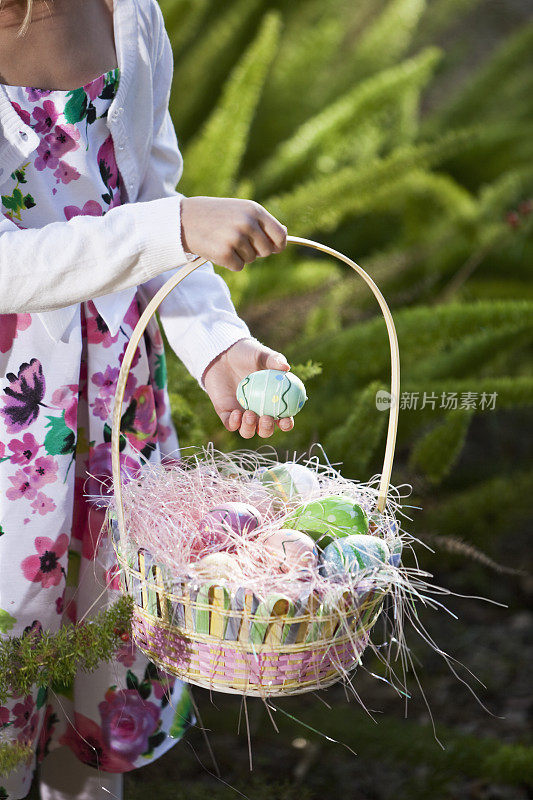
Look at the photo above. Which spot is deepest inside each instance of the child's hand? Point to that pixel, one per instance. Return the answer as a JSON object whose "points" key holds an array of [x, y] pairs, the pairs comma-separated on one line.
{"points": [[228, 231], [222, 377]]}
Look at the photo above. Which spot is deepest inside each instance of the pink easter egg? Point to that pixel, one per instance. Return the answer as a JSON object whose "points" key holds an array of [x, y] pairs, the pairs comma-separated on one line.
{"points": [[290, 550], [221, 524]]}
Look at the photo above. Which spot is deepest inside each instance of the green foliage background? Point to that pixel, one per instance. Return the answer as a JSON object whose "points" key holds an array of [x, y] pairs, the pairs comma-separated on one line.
{"points": [[371, 127]]}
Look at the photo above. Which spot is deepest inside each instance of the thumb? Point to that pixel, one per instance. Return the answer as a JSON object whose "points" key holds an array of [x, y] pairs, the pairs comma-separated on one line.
{"points": [[276, 361]]}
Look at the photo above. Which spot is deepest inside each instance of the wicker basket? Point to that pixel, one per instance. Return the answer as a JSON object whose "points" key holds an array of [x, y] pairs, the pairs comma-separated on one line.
{"points": [[231, 643]]}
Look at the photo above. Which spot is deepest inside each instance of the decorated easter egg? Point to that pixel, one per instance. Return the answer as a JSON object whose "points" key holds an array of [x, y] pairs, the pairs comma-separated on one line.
{"points": [[217, 567], [353, 554], [395, 547], [290, 480], [328, 518], [273, 392], [290, 550], [232, 517]]}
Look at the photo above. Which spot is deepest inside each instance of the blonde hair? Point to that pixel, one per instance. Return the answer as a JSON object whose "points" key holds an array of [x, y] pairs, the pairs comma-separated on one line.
{"points": [[27, 16]]}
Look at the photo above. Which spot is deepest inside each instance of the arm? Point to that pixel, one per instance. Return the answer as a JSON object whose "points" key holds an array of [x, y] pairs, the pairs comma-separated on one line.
{"points": [[69, 262]]}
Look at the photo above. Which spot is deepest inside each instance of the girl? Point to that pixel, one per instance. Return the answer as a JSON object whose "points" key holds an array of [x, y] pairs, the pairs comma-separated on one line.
{"points": [[90, 224]]}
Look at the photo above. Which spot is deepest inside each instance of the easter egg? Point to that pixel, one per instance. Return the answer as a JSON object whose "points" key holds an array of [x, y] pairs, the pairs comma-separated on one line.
{"points": [[353, 554], [290, 550], [290, 480], [233, 517], [217, 567], [328, 518], [273, 392]]}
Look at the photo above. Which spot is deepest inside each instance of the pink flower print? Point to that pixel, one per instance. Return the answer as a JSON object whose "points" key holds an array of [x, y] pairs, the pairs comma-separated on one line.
{"points": [[108, 164], [42, 471], [22, 712], [145, 421], [116, 200], [4, 717], [46, 117], [35, 94], [91, 208], [136, 356], [23, 114], [127, 722], [21, 487], [163, 432], [131, 317], [24, 450], [94, 88], [86, 740], [100, 468], [63, 139], [45, 566], [66, 397], [112, 578], [101, 408], [97, 330], [65, 173], [47, 730], [28, 734], [60, 603], [10, 325], [126, 654], [106, 381], [72, 611], [43, 504], [45, 157], [23, 396], [131, 383]]}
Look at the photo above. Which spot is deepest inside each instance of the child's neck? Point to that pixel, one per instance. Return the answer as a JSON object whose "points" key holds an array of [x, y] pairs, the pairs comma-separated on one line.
{"points": [[68, 43]]}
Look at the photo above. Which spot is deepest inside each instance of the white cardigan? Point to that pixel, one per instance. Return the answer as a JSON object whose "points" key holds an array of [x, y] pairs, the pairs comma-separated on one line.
{"points": [[52, 269]]}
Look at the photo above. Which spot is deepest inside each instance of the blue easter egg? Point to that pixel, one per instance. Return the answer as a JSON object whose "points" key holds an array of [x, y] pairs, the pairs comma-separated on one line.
{"points": [[272, 392], [353, 554]]}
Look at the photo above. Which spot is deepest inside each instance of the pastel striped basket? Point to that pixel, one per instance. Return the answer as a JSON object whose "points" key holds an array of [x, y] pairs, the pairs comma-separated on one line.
{"points": [[235, 643]]}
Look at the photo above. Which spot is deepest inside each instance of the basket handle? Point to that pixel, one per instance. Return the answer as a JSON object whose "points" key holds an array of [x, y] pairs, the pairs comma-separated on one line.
{"points": [[172, 282]]}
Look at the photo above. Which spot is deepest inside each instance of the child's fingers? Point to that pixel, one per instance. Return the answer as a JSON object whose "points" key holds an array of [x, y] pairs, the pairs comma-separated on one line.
{"points": [[285, 424], [232, 420], [266, 426], [248, 424]]}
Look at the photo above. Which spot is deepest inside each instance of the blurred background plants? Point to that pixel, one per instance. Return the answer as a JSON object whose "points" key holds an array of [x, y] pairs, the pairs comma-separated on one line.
{"points": [[399, 132]]}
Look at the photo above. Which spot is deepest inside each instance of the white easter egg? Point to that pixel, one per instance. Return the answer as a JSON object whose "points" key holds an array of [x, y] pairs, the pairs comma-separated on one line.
{"points": [[217, 567], [290, 550]]}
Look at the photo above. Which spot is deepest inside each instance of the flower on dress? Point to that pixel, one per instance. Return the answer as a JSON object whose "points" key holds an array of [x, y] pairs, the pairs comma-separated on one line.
{"points": [[97, 330], [63, 139], [127, 722], [23, 114], [45, 567], [46, 117], [4, 717], [22, 711], [101, 408], [106, 381], [23, 396], [21, 487], [145, 420], [43, 504], [45, 157], [47, 730], [65, 173], [94, 88], [126, 654], [107, 163], [25, 449], [131, 316], [66, 397], [35, 94], [86, 740], [91, 208], [100, 470], [42, 471], [112, 578], [27, 735], [10, 325]]}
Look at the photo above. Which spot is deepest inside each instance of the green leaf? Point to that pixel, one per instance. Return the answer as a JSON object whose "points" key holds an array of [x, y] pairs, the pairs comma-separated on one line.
{"points": [[60, 439], [145, 689], [76, 107], [227, 129], [29, 202], [128, 418], [42, 694], [436, 453], [182, 715], [10, 202], [132, 682], [6, 621], [160, 372]]}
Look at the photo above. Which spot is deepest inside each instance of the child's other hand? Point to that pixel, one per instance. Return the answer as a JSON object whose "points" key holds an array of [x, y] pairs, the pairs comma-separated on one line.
{"points": [[222, 377], [229, 231]]}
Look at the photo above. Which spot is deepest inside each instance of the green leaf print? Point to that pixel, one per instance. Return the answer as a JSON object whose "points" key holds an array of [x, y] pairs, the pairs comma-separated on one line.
{"points": [[132, 682], [29, 202], [19, 175], [2, 531], [107, 438], [6, 621], [182, 716], [160, 373], [59, 440], [76, 108], [42, 694], [10, 203]]}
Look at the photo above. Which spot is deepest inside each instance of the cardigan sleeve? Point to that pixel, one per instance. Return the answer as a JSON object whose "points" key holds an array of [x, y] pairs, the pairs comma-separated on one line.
{"points": [[198, 317]]}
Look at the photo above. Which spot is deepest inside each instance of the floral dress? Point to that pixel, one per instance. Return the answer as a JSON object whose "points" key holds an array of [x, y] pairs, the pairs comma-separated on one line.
{"points": [[56, 561]]}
